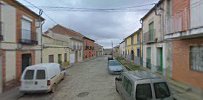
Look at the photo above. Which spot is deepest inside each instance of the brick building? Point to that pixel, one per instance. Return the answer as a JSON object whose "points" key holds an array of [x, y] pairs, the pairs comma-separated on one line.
{"points": [[88, 48], [20, 41], [186, 33]]}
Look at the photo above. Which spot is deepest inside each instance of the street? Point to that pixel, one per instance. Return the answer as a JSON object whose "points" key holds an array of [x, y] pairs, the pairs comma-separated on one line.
{"points": [[88, 80], [85, 81]]}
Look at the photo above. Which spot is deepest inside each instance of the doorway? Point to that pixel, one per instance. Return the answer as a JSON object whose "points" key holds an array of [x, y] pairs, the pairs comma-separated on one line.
{"points": [[26, 61], [132, 55], [160, 59]]}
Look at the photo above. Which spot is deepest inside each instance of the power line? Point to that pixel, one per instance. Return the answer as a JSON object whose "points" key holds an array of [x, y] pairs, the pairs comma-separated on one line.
{"points": [[75, 8], [41, 10]]}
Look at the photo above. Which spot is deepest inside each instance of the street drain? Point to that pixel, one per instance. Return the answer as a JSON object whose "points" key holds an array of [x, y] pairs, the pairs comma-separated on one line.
{"points": [[83, 94]]}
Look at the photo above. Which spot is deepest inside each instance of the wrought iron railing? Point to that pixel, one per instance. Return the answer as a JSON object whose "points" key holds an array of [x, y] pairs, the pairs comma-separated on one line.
{"points": [[149, 36], [28, 42]]}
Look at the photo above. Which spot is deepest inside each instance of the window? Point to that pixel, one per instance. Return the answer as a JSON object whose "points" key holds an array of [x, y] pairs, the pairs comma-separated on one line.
{"points": [[161, 90], [65, 57], [29, 75], [59, 58], [143, 92], [51, 58], [196, 58], [40, 74], [80, 54], [127, 85], [26, 29], [138, 52]]}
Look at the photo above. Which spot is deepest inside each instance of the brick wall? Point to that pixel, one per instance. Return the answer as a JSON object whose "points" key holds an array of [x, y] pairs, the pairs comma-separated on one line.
{"points": [[88, 53], [19, 61], [181, 63]]}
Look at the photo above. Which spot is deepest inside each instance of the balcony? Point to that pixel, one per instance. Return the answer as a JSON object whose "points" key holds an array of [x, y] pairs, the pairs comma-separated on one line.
{"points": [[185, 24], [149, 37], [28, 42]]}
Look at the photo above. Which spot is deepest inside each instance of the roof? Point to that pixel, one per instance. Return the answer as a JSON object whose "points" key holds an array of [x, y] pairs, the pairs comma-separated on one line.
{"points": [[152, 9], [16, 3], [66, 31], [89, 39], [45, 65], [141, 75]]}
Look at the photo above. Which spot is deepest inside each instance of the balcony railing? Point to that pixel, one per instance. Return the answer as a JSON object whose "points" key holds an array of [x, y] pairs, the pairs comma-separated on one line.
{"points": [[28, 42], [149, 37]]}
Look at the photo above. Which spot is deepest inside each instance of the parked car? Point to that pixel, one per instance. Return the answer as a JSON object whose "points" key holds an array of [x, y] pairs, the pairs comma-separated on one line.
{"points": [[114, 67], [142, 85], [41, 78]]}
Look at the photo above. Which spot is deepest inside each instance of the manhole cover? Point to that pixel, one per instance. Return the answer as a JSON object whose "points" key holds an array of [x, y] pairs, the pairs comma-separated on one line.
{"points": [[83, 94]]}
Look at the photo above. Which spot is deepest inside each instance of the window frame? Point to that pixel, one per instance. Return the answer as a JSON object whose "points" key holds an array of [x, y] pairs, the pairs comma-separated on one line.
{"points": [[144, 84], [190, 58], [37, 74], [23, 28], [50, 59], [33, 76]]}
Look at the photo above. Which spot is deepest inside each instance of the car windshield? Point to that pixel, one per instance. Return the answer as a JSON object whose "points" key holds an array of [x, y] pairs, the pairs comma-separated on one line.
{"points": [[113, 63], [161, 90]]}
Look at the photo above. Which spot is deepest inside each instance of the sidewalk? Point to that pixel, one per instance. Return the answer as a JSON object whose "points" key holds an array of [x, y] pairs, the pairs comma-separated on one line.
{"points": [[12, 94]]}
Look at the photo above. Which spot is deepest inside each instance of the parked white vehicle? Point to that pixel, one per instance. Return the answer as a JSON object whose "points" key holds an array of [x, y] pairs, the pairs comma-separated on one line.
{"points": [[41, 77]]}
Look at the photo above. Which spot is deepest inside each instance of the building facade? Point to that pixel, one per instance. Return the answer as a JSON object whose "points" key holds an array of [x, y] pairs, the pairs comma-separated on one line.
{"points": [[75, 42], [98, 50], [185, 31], [154, 48], [56, 49], [89, 49], [122, 49], [20, 41]]}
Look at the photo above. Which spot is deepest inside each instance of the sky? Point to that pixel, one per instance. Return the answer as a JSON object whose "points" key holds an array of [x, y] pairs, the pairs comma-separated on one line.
{"points": [[104, 27]]}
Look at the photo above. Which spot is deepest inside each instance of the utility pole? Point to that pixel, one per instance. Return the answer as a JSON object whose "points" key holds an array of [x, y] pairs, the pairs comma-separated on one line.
{"points": [[112, 48]]}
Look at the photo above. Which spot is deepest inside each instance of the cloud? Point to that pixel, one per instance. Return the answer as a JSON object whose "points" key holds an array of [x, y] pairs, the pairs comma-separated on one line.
{"points": [[104, 27]]}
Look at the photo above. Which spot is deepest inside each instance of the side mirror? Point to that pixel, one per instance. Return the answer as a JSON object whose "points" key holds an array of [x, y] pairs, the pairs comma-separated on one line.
{"points": [[118, 79]]}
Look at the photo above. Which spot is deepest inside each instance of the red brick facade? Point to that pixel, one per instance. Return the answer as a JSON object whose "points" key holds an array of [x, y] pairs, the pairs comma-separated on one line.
{"points": [[88, 48], [181, 62]]}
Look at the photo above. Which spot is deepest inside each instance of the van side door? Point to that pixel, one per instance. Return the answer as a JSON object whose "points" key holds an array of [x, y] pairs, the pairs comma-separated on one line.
{"points": [[127, 89]]}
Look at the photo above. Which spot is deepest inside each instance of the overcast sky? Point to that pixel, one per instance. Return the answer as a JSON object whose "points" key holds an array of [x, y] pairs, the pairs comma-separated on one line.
{"points": [[103, 27]]}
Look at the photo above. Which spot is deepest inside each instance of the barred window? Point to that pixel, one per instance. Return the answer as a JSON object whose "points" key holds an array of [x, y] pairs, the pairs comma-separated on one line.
{"points": [[196, 58]]}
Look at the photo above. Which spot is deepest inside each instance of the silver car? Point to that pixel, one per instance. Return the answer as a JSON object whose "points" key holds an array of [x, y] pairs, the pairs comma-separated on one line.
{"points": [[114, 67], [142, 85]]}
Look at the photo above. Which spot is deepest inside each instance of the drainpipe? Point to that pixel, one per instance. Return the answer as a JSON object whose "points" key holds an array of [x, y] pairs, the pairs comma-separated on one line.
{"points": [[41, 24], [142, 60]]}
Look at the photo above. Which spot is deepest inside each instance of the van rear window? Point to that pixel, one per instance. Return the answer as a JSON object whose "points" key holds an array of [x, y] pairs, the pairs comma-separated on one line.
{"points": [[161, 90], [29, 75], [143, 92], [40, 74]]}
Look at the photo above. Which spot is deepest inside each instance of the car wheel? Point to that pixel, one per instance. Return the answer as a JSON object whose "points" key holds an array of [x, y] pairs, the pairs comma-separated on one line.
{"points": [[53, 89]]}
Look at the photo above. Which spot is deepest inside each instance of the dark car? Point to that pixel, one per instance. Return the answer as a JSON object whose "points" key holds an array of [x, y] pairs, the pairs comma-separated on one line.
{"points": [[114, 67]]}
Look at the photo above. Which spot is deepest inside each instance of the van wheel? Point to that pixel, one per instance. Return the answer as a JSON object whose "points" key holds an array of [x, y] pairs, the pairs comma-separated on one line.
{"points": [[53, 89]]}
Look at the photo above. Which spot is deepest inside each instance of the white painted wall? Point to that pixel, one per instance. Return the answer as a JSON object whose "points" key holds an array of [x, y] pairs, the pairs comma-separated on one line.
{"points": [[37, 57], [8, 17], [10, 65]]}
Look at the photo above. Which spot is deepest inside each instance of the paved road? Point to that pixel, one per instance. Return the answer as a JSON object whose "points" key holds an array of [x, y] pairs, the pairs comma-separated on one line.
{"points": [[85, 81], [88, 81]]}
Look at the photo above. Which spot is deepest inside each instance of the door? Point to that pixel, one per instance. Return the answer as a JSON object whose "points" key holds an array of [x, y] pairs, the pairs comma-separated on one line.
{"points": [[151, 31], [26, 61], [40, 79], [72, 58], [132, 55], [160, 60], [76, 56], [148, 57], [127, 89]]}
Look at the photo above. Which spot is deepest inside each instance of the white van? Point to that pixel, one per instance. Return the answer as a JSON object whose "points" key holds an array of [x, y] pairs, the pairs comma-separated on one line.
{"points": [[41, 77]]}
